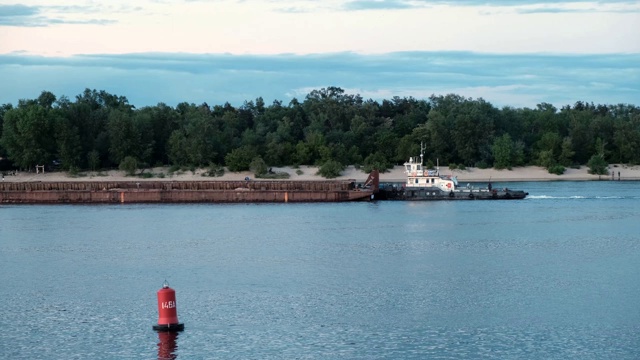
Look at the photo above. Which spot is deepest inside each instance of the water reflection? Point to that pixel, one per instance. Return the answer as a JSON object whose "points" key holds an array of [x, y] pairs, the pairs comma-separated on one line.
{"points": [[167, 345]]}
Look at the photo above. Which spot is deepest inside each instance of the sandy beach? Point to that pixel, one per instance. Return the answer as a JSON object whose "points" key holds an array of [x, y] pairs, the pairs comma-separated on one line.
{"points": [[307, 173]]}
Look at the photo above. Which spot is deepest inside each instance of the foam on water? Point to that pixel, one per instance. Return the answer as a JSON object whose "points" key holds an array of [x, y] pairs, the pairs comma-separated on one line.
{"points": [[580, 197]]}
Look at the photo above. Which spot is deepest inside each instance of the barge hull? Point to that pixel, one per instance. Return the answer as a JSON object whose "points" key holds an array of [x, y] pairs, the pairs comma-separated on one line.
{"points": [[181, 192]]}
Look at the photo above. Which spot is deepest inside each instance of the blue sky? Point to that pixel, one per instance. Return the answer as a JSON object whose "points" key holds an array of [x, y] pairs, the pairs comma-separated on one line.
{"points": [[516, 53]]}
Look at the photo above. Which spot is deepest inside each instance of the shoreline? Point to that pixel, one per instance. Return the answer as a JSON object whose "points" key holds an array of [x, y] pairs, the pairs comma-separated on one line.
{"points": [[308, 173]]}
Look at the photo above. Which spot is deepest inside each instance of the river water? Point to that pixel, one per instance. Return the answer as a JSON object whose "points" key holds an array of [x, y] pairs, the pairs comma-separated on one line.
{"points": [[554, 276]]}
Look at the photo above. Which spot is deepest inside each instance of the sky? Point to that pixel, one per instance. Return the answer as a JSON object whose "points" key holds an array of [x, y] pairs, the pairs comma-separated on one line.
{"points": [[510, 53]]}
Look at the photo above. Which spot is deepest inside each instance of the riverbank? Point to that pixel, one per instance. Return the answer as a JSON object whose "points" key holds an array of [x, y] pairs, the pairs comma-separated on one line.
{"points": [[309, 173]]}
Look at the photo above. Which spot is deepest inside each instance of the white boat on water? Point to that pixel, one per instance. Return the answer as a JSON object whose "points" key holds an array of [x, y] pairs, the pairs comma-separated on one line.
{"points": [[429, 184]]}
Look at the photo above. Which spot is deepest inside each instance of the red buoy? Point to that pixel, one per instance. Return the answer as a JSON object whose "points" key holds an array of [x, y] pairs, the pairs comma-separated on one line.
{"points": [[167, 310]]}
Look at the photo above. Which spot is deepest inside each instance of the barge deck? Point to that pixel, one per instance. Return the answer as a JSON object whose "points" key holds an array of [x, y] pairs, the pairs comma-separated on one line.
{"points": [[254, 191]]}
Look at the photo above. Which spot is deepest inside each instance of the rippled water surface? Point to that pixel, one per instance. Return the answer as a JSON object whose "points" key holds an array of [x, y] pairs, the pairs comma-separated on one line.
{"points": [[554, 276]]}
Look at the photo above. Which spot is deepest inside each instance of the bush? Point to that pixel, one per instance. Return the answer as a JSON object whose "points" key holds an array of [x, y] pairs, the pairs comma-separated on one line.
{"points": [[330, 169], [129, 165], [453, 166], [546, 160], [258, 166], [93, 158], [240, 159], [376, 161], [556, 169], [275, 175], [214, 170], [299, 172], [597, 165]]}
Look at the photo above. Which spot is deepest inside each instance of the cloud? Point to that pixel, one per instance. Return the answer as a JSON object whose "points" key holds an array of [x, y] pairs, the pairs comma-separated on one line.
{"points": [[41, 16], [520, 80], [310, 26], [517, 2], [377, 5], [519, 6], [17, 14], [17, 10], [559, 7]]}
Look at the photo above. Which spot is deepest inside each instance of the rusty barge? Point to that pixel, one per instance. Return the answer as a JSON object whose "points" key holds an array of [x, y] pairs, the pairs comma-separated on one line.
{"points": [[254, 191]]}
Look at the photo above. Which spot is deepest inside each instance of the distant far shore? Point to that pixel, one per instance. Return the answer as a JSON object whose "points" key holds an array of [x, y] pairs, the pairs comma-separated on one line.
{"points": [[309, 173]]}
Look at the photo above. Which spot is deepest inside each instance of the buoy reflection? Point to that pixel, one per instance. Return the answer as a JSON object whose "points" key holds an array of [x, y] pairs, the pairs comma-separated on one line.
{"points": [[167, 345]]}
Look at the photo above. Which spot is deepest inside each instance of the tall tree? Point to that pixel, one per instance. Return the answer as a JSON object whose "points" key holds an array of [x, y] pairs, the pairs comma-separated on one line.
{"points": [[503, 152], [124, 137], [27, 133], [439, 144], [3, 109]]}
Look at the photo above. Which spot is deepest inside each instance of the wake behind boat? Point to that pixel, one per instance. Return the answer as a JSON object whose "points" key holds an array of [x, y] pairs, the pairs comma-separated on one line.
{"points": [[425, 184]]}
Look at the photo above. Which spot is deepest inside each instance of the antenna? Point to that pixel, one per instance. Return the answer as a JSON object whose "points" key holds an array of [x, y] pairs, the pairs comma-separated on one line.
{"points": [[422, 147]]}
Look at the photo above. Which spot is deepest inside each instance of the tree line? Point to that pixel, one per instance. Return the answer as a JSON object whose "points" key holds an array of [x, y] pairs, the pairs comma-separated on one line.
{"points": [[330, 129]]}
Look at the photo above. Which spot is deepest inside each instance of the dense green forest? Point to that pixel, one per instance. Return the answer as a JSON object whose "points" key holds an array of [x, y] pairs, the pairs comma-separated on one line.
{"points": [[329, 128]]}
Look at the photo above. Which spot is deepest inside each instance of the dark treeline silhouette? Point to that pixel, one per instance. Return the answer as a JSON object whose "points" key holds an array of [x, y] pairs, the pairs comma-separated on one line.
{"points": [[329, 128]]}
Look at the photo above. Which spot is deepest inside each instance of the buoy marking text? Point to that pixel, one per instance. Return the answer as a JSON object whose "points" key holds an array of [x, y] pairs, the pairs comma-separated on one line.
{"points": [[168, 304]]}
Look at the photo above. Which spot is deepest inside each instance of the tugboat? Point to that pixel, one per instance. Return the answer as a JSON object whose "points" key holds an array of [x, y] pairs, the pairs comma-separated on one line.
{"points": [[424, 184]]}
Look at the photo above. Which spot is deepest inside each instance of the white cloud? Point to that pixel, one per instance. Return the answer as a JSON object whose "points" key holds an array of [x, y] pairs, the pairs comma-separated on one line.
{"points": [[502, 79], [172, 50], [262, 27]]}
